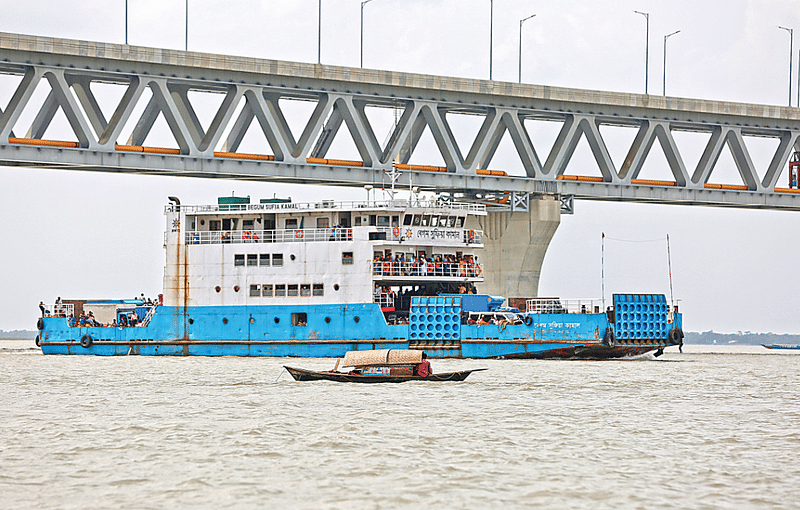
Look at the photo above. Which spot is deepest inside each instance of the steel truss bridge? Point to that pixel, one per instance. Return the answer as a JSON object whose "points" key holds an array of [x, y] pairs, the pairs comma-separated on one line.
{"points": [[254, 92]]}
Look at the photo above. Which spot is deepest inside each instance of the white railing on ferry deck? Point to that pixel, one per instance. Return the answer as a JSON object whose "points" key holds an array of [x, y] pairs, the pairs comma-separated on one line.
{"points": [[428, 269], [558, 305], [305, 235], [59, 310], [330, 204]]}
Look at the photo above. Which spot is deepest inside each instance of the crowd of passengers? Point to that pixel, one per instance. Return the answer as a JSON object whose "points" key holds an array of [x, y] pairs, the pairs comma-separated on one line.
{"points": [[88, 321], [439, 265]]}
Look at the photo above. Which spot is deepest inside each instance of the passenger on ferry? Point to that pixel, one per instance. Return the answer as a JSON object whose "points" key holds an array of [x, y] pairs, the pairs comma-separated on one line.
{"points": [[82, 320], [41, 307], [71, 321], [114, 323], [133, 320]]}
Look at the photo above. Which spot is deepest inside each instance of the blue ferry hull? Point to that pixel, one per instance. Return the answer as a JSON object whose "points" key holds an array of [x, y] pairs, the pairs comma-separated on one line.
{"points": [[332, 330]]}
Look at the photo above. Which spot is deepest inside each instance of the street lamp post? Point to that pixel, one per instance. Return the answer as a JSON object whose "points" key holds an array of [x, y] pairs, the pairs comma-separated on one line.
{"points": [[520, 44], [186, 47], [646, 50], [365, 2], [791, 50], [664, 93], [126, 21], [491, 15]]}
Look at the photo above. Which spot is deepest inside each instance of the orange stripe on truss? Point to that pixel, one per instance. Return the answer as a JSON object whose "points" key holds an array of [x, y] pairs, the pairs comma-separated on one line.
{"points": [[42, 143]]}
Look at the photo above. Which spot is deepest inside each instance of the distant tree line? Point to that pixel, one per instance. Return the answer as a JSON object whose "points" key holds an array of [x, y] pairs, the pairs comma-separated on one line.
{"points": [[17, 334], [747, 338]]}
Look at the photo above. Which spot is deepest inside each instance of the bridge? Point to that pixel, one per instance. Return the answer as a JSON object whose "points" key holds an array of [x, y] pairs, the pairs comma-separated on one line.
{"points": [[254, 94]]}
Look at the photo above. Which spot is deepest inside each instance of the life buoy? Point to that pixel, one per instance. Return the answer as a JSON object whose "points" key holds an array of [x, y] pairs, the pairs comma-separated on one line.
{"points": [[471, 234], [37, 341], [40, 324], [246, 234], [86, 340], [298, 234], [528, 320], [396, 231], [477, 270], [608, 338]]}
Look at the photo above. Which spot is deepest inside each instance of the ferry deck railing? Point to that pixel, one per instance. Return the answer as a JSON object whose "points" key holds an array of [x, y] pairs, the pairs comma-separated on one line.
{"points": [[305, 235], [396, 268], [558, 305], [330, 204], [59, 310]]}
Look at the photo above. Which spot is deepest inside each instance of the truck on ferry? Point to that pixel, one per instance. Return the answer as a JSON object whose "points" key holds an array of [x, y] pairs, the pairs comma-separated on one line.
{"points": [[319, 279]]}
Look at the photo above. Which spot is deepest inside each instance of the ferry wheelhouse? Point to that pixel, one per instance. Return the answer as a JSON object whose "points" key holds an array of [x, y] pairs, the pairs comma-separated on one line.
{"points": [[318, 279]]}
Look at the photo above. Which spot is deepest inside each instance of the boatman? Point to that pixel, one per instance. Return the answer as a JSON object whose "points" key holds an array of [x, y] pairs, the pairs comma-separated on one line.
{"points": [[424, 368]]}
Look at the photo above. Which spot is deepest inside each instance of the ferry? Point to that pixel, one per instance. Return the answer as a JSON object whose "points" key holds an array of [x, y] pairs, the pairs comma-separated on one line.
{"points": [[319, 279]]}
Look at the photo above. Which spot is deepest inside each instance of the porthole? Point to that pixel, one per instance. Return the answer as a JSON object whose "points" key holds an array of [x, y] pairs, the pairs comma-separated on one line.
{"points": [[236, 288], [327, 320], [218, 288], [252, 320], [335, 286], [191, 321], [202, 222], [356, 319], [224, 320], [277, 320], [292, 256]]}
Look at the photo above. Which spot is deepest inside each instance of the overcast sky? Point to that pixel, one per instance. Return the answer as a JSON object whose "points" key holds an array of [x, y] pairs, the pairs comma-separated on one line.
{"points": [[86, 235]]}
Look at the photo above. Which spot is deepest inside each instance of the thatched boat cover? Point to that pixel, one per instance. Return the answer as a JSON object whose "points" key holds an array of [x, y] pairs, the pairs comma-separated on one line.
{"points": [[382, 357]]}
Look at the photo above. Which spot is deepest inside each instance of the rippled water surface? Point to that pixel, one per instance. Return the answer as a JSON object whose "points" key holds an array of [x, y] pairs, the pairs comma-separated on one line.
{"points": [[710, 428]]}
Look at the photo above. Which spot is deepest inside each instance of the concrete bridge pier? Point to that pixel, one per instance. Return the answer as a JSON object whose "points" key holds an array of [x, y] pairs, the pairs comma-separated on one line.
{"points": [[515, 245]]}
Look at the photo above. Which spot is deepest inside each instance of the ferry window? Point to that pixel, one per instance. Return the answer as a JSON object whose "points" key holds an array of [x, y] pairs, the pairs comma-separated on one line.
{"points": [[238, 260], [373, 220], [292, 290], [214, 225], [252, 259], [226, 224], [291, 223], [277, 259], [451, 221], [264, 259], [358, 221], [255, 291], [318, 290], [347, 257], [434, 221], [395, 221], [322, 222], [383, 221], [305, 290], [426, 220], [460, 222], [417, 220], [280, 290], [266, 290], [299, 319], [407, 220], [247, 224]]}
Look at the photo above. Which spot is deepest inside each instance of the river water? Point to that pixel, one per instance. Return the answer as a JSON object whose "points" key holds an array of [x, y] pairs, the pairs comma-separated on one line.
{"points": [[710, 428]]}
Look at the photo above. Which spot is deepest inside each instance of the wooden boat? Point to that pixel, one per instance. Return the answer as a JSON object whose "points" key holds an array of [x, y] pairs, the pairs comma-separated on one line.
{"points": [[781, 346], [378, 366]]}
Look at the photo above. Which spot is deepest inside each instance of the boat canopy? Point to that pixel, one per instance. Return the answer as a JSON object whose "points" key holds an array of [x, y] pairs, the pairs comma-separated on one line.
{"points": [[382, 357]]}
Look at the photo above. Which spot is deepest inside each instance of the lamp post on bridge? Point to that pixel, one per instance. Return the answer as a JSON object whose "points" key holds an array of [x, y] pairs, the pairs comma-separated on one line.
{"points": [[186, 47], [646, 50], [126, 22], [491, 15], [664, 92], [520, 43], [365, 2], [319, 32], [791, 50]]}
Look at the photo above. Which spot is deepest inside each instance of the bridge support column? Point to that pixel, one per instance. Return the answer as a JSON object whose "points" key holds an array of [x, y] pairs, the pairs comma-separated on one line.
{"points": [[515, 245]]}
